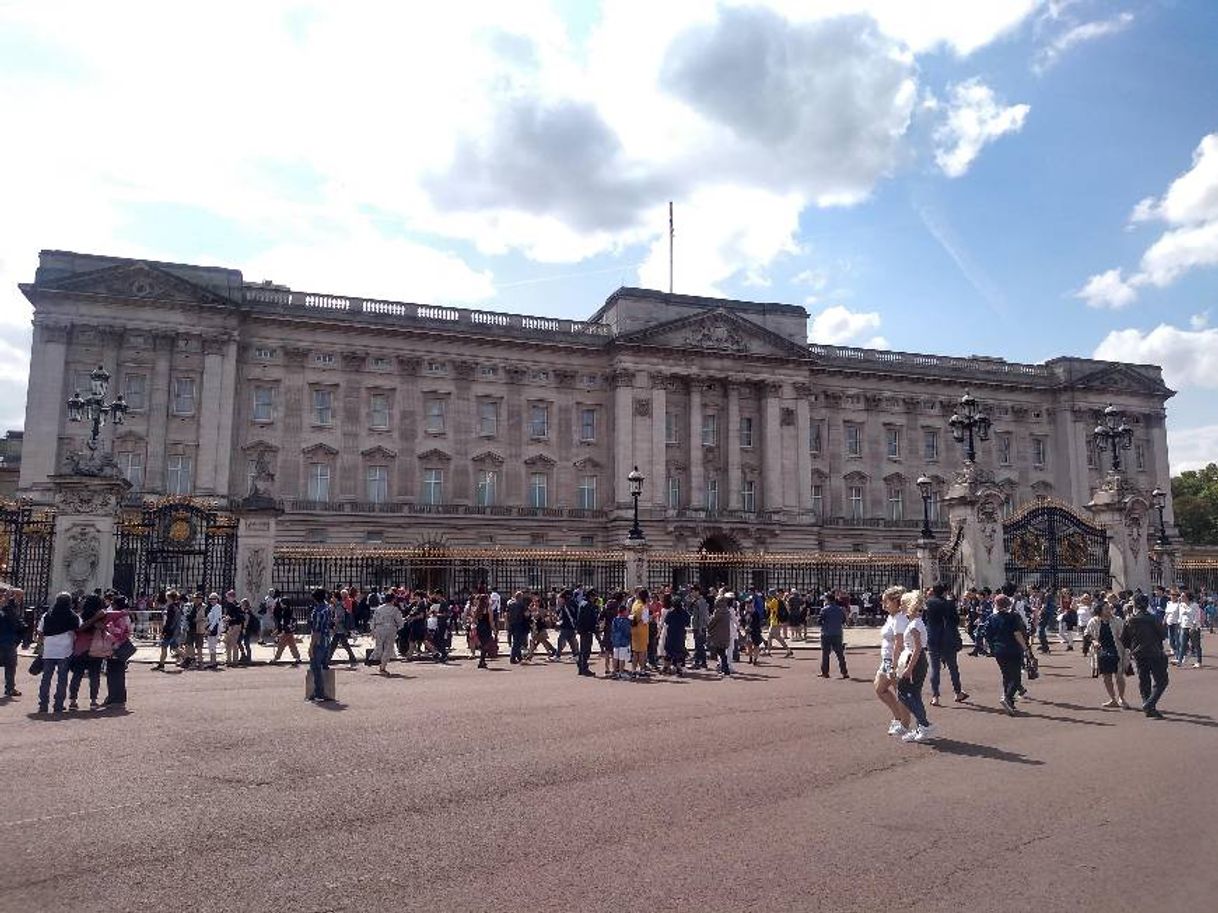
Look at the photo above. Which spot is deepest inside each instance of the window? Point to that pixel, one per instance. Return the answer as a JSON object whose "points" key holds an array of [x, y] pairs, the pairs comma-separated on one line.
{"points": [[377, 484], [712, 495], [374, 537], [378, 411], [433, 486], [488, 485], [437, 367], [1038, 451], [854, 440], [178, 471], [893, 437], [541, 376], [674, 492], [587, 541], [488, 417], [132, 467], [135, 391], [1008, 507], [587, 425], [710, 429], [586, 499], [818, 500], [748, 496], [183, 396], [323, 407], [487, 370], [435, 416], [815, 437], [264, 354], [319, 481], [325, 359], [538, 489], [264, 399], [1004, 449], [380, 363], [670, 427], [936, 506], [896, 503], [1092, 457], [1139, 456], [539, 420], [930, 445], [855, 496], [746, 431]]}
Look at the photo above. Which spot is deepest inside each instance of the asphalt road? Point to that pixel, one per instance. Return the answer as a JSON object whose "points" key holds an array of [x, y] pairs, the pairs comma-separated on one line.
{"points": [[451, 788]]}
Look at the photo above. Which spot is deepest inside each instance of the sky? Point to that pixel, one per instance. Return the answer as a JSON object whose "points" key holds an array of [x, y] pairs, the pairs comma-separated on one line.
{"points": [[1019, 178]]}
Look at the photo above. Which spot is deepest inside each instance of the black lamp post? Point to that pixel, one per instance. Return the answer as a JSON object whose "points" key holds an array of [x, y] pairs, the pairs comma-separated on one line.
{"points": [[924, 486], [968, 421], [1158, 497], [635, 478], [1114, 433], [94, 408]]}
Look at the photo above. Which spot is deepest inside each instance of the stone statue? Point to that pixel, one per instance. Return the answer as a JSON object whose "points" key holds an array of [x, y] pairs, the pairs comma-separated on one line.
{"points": [[261, 492]]}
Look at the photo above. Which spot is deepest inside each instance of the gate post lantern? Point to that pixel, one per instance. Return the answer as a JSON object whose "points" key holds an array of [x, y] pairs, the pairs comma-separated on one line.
{"points": [[636, 546], [1165, 555], [928, 566]]}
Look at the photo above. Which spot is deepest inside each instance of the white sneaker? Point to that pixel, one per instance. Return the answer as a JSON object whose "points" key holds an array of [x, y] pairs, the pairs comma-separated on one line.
{"points": [[1196, 665], [900, 732], [895, 728], [1007, 706], [922, 733], [911, 736]]}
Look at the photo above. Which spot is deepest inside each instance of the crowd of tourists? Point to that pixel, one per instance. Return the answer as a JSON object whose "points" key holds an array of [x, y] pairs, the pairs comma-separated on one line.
{"points": [[634, 635]]}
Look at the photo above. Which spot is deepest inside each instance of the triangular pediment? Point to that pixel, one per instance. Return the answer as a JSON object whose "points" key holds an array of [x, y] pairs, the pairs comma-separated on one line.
{"points": [[540, 459], [488, 456], [1120, 379], [717, 330], [260, 445], [379, 452], [434, 454], [320, 450], [137, 280], [587, 462]]}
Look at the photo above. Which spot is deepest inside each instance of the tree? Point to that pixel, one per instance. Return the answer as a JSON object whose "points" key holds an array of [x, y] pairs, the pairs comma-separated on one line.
{"points": [[1195, 499]]}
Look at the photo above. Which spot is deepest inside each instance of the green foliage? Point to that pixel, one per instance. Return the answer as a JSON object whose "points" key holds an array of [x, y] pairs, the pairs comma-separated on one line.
{"points": [[1195, 498]]}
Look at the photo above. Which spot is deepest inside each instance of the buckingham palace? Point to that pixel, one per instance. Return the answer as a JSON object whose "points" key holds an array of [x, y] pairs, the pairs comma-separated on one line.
{"points": [[400, 423]]}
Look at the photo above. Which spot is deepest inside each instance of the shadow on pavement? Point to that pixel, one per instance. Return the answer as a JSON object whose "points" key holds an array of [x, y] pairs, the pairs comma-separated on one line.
{"points": [[981, 708], [77, 716], [973, 750]]}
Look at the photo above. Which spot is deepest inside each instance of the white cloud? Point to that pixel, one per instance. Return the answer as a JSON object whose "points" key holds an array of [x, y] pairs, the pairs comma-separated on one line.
{"points": [[974, 119], [838, 325], [1190, 209], [1107, 290], [1186, 356], [1192, 448], [1078, 34], [1199, 321]]}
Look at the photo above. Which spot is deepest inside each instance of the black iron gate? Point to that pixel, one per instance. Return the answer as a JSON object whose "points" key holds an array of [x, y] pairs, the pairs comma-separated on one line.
{"points": [[1048, 544], [951, 562], [26, 537], [182, 544]]}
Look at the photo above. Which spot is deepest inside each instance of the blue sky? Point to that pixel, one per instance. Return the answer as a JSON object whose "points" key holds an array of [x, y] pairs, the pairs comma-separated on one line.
{"points": [[1015, 178]]}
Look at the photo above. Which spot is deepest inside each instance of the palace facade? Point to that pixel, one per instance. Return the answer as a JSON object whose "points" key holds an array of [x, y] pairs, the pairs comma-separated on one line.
{"points": [[400, 423]]}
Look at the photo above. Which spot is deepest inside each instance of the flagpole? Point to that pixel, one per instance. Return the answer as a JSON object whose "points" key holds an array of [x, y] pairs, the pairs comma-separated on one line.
{"points": [[670, 237]]}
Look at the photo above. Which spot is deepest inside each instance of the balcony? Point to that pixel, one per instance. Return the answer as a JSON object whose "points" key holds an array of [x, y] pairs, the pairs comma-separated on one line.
{"points": [[299, 505]]}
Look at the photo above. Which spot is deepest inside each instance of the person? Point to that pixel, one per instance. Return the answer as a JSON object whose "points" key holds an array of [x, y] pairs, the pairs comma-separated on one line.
{"points": [[622, 634], [12, 633], [586, 618], [215, 618], [943, 642], [321, 623], [1067, 618], [344, 620], [892, 644], [387, 620], [266, 618], [194, 623], [1171, 618], [699, 618], [118, 627], [1007, 635], [1143, 636], [539, 618], [484, 624], [518, 626], [640, 616], [285, 629], [1084, 609], [832, 627], [170, 629], [1189, 638], [566, 626], [719, 633], [1104, 633], [778, 617], [57, 636], [249, 625], [676, 623], [911, 667], [234, 621], [797, 611], [84, 662]]}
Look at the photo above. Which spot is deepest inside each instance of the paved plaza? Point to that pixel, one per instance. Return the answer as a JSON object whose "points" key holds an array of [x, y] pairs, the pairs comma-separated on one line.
{"points": [[453, 788]]}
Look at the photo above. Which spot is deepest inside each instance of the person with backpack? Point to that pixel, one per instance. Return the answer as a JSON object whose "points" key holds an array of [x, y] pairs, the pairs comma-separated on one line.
{"points": [[57, 637], [777, 615], [321, 623], [587, 615], [1007, 635], [943, 642], [285, 629], [12, 633], [566, 626], [699, 618]]}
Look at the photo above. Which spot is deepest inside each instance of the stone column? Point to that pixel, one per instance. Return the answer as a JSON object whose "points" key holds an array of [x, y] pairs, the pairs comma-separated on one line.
{"points": [[974, 504], [928, 562], [209, 411], [225, 445], [697, 481], [158, 411], [1122, 511], [255, 550], [656, 486], [44, 405], [636, 563], [82, 559], [772, 446], [623, 436], [803, 457], [732, 445], [1166, 556]]}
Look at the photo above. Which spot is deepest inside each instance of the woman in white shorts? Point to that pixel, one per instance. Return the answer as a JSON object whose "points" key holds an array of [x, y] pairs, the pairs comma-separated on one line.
{"points": [[892, 642]]}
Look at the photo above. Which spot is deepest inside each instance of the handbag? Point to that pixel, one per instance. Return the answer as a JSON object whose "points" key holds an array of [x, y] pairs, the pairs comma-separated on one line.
{"points": [[1033, 667], [124, 651], [36, 666], [102, 644]]}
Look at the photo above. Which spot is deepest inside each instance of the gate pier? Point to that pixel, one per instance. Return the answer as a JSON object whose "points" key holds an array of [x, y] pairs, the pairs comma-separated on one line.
{"points": [[974, 511], [82, 559], [1122, 511]]}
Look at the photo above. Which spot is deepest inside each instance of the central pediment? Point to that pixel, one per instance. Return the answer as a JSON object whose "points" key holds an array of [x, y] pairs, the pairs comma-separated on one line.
{"points": [[716, 331]]}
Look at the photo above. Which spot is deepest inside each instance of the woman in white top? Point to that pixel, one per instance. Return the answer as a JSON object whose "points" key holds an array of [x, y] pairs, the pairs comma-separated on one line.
{"points": [[892, 642], [912, 665], [1189, 639]]}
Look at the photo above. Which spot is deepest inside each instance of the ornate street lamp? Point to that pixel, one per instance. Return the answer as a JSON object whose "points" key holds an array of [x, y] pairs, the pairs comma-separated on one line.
{"points": [[924, 486], [635, 478], [94, 408], [1114, 433], [968, 421], [1158, 498]]}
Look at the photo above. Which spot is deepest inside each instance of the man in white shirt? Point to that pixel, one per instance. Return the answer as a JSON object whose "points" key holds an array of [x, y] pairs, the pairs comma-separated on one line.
{"points": [[1189, 638], [1171, 618]]}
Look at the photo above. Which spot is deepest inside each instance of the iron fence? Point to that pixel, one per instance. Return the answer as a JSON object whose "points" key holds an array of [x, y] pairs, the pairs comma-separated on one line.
{"points": [[810, 572], [1197, 574], [27, 535]]}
